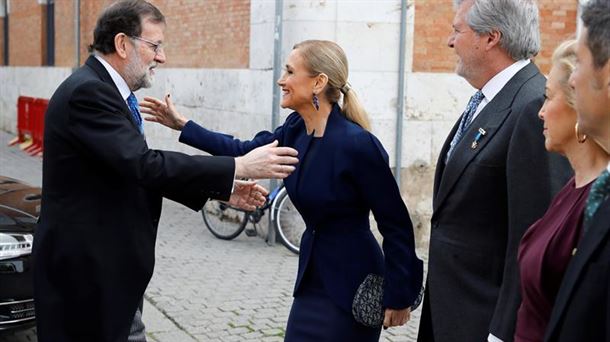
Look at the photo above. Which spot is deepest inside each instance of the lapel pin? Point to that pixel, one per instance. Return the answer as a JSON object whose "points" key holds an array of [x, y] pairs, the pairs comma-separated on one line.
{"points": [[480, 134]]}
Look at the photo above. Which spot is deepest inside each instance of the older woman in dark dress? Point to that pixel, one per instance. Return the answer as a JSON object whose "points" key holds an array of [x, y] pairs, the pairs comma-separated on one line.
{"points": [[548, 245]]}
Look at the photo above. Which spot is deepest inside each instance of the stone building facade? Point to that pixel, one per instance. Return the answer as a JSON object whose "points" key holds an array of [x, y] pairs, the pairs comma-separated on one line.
{"points": [[220, 66]]}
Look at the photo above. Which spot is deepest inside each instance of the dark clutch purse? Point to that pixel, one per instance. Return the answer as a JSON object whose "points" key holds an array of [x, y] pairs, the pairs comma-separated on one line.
{"points": [[367, 306]]}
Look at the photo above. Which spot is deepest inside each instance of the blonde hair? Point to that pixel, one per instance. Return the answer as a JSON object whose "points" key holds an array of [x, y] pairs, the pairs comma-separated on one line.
{"points": [[323, 56], [564, 58]]}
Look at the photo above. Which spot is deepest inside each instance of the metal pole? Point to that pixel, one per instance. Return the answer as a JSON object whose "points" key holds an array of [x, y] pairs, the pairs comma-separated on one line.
{"points": [[401, 89], [275, 112], [76, 34], [5, 32], [50, 33]]}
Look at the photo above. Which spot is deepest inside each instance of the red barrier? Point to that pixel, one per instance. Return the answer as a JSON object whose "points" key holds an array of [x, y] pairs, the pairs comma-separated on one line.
{"points": [[24, 123], [38, 109], [30, 124]]}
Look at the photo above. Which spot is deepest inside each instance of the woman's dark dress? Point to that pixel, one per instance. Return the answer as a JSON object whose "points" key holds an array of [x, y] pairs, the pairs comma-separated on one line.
{"points": [[544, 254]]}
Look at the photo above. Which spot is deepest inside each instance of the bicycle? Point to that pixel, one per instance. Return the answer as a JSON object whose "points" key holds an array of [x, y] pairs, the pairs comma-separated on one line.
{"points": [[226, 222]]}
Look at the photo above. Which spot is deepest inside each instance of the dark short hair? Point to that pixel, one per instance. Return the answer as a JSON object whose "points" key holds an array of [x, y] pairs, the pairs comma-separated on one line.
{"points": [[122, 17], [596, 18]]}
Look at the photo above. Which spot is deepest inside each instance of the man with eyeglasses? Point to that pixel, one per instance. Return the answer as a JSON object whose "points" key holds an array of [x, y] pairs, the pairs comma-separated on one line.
{"points": [[103, 187]]}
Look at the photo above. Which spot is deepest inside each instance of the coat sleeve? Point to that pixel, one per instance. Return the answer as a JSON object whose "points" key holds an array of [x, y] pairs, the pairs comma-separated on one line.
{"points": [[102, 131], [403, 269], [533, 176], [216, 143]]}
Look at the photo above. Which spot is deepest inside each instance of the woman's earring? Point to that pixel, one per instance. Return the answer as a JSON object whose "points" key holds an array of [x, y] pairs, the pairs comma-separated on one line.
{"points": [[578, 137], [316, 102]]}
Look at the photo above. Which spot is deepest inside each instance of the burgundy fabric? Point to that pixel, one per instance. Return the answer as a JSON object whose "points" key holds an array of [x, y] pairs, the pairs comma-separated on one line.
{"points": [[544, 254]]}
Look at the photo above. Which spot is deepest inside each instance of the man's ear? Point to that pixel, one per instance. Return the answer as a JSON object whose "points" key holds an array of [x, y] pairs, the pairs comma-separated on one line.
{"points": [[120, 44], [320, 82], [493, 39]]}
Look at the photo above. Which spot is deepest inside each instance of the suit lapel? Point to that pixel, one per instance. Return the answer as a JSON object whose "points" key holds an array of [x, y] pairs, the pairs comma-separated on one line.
{"points": [[600, 227], [440, 164], [490, 119], [303, 142], [99, 69], [301, 145]]}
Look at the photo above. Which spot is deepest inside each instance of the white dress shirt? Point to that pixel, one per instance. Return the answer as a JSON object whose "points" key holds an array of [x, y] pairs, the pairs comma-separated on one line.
{"points": [[118, 80], [496, 83]]}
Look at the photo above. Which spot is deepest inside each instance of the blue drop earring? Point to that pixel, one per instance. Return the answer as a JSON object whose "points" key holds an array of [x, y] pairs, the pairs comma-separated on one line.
{"points": [[316, 102]]}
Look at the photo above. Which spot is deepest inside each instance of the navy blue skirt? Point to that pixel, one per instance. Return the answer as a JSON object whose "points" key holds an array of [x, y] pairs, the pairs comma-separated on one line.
{"points": [[315, 317]]}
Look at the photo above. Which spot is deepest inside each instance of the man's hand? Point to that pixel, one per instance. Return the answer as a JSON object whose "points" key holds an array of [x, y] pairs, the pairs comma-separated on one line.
{"points": [[268, 161], [163, 113], [396, 317], [247, 195]]}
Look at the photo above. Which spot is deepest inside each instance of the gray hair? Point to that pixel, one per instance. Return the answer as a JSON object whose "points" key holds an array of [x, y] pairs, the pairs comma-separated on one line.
{"points": [[516, 20], [596, 18]]}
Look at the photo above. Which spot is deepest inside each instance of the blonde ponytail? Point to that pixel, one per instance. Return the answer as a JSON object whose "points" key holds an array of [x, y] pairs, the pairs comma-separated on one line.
{"points": [[353, 110], [323, 56]]}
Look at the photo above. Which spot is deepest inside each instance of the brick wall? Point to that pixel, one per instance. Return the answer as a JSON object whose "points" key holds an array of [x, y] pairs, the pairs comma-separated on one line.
{"points": [[1, 41], [26, 33], [433, 25], [199, 34], [216, 33], [89, 11], [64, 33], [557, 23], [207, 34]]}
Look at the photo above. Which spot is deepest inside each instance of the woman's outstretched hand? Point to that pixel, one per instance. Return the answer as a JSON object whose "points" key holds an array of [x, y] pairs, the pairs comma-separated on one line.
{"points": [[161, 112], [396, 317]]}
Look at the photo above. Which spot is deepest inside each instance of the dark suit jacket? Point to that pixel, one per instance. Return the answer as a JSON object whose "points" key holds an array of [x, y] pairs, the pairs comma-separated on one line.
{"points": [[582, 308], [102, 192], [335, 191], [484, 200]]}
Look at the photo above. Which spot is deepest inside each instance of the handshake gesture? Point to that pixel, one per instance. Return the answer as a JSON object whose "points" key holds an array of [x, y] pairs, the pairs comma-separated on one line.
{"points": [[265, 162], [268, 161]]}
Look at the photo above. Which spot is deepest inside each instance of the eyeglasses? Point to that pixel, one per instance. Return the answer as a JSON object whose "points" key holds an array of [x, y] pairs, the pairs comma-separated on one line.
{"points": [[156, 47]]}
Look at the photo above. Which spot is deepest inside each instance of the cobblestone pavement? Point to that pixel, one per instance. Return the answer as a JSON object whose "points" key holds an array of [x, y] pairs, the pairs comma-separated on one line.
{"points": [[204, 289]]}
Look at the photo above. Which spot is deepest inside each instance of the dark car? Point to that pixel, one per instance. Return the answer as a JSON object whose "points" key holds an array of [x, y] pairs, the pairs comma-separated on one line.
{"points": [[19, 210]]}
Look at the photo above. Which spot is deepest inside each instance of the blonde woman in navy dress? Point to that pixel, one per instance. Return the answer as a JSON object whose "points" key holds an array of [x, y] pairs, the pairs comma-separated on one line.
{"points": [[342, 176]]}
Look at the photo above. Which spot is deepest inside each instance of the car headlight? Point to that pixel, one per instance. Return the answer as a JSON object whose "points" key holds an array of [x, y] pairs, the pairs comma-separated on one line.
{"points": [[14, 245]]}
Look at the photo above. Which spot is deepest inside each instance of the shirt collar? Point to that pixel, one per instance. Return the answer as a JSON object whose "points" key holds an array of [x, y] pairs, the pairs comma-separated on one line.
{"points": [[116, 78], [496, 83]]}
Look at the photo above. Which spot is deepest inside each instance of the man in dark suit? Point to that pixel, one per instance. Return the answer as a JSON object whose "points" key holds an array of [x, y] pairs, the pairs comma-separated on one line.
{"points": [[582, 309], [103, 186], [493, 177]]}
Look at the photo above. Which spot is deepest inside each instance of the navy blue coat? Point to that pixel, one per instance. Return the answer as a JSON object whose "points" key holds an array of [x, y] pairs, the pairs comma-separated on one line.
{"points": [[335, 193]]}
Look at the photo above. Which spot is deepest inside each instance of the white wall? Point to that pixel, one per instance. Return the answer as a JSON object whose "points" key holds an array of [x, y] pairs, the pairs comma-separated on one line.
{"points": [[29, 81]]}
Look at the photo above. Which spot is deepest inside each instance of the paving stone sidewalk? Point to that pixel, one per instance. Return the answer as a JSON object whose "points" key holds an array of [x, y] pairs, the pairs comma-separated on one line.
{"points": [[204, 289]]}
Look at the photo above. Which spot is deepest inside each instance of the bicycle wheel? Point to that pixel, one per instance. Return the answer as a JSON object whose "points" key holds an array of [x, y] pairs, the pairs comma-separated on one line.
{"points": [[288, 222], [224, 221]]}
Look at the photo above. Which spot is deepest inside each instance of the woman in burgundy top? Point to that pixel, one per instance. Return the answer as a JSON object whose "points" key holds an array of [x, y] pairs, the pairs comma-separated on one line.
{"points": [[548, 245]]}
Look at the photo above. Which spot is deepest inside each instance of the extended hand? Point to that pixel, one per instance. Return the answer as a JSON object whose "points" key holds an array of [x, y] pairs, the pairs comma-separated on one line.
{"points": [[247, 195], [268, 161], [396, 317], [163, 113]]}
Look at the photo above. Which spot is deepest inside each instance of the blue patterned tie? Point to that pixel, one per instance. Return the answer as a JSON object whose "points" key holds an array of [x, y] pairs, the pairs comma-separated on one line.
{"points": [[474, 102], [132, 102], [599, 192]]}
